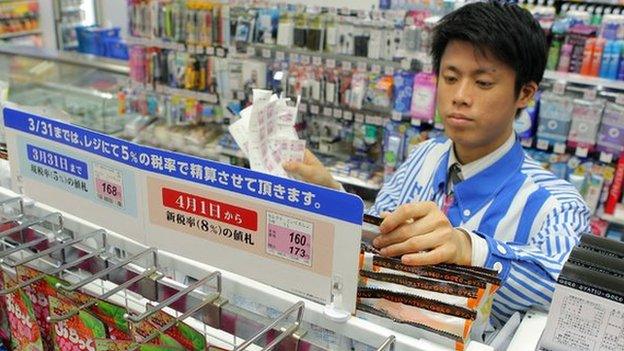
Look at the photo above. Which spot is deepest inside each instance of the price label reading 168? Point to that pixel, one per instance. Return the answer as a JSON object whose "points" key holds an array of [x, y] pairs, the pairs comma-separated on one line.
{"points": [[109, 189]]}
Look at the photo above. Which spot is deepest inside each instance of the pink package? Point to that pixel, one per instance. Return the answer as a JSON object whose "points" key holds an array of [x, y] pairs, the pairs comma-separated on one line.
{"points": [[424, 97]]}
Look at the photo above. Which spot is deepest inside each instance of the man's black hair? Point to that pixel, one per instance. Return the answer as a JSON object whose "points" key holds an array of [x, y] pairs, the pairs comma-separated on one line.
{"points": [[502, 29]]}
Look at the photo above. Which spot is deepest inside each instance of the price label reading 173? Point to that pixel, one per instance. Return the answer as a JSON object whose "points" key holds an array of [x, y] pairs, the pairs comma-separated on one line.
{"points": [[289, 238]]}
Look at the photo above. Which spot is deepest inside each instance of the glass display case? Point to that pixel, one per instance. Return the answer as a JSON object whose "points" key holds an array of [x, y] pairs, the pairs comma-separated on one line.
{"points": [[75, 87]]}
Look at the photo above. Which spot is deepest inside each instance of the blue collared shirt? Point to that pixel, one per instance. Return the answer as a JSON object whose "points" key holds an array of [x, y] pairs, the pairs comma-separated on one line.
{"points": [[529, 218]]}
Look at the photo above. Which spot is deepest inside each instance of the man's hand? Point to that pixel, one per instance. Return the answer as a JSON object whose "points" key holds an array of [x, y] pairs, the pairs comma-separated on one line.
{"points": [[422, 235], [312, 170]]}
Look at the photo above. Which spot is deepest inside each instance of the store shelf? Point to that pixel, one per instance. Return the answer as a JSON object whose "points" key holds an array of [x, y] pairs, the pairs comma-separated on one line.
{"points": [[264, 50], [585, 80], [218, 51], [86, 60], [191, 94], [612, 219], [19, 34], [70, 9]]}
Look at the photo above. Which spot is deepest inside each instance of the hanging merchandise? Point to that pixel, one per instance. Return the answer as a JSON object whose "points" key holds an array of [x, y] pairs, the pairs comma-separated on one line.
{"points": [[555, 117], [611, 134], [423, 100], [403, 89], [586, 116], [525, 124]]}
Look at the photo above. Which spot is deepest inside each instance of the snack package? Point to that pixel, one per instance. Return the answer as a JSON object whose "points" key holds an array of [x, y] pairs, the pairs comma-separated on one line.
{"points": [[79, 331], [412, 308], [39, 292], [145, 330], [25, 331], [188, 337]]}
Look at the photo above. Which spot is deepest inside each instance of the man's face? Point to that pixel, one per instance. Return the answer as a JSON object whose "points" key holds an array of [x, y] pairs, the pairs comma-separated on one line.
{"points": [[476, 97]]}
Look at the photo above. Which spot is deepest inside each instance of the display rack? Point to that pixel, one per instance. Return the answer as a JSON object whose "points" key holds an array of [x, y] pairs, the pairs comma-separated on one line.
{"points": [[179, 277]]}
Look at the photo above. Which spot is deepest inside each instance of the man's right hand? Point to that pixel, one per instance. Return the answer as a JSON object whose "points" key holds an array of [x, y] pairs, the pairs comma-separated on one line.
{"points": [[311, 170]]}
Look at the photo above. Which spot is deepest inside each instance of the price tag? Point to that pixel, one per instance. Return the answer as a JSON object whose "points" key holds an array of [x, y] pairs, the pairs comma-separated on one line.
{"points": [[303, 107], [327, 111], [332, 10], [416, 122], [289, 238], [240, 95], [109, 185], [305, 59], [251, 50], [337, 113], [181, 47], [526, 142], [266, 53], [559, 148], [280, 56], [359, 117], [606, 157], [581, 152], [330, 63], [427, 67], [389, 70], [314, 109], [293, 57], [559, 87], [346, 65], [190, 49], [374, 120], [362, 66], [619, 99], [317, 61], [347, 115], [210, 51], [590, 94], [406, 64], [376, 69], [396, 116], [220, 52], [160, 88], [542, 144]]}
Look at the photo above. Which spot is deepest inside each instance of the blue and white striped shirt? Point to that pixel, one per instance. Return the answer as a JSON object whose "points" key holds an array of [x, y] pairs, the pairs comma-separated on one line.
{"points": [[530, 219]]}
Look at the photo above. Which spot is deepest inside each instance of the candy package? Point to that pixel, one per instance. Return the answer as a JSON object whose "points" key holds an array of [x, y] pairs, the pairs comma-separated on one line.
{"points": [[77, 332], [25, 331], [188, 337]]}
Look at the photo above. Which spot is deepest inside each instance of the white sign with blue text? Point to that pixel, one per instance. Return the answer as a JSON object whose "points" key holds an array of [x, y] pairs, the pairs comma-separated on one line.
{"points": [[292, 235]]}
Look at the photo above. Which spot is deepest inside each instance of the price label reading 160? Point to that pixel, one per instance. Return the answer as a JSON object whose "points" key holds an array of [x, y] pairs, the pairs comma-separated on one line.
{"points": [[298, 244]]}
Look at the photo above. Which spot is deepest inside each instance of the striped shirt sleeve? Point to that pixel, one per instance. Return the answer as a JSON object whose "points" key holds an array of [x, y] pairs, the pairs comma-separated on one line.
{"points": [[529, 271]]}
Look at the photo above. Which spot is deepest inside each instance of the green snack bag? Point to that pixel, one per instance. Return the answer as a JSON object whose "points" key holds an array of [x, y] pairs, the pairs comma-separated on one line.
{"points": [[38, 292], [144, 330], [188, 337], [79, 331], [25, 332]]}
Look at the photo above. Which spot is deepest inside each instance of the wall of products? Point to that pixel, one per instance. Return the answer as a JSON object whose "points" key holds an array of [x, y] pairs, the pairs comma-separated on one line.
{"points": [[366, 86]]}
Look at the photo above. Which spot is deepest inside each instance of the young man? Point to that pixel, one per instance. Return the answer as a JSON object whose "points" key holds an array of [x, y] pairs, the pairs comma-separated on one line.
{"points": [[477, 198]]}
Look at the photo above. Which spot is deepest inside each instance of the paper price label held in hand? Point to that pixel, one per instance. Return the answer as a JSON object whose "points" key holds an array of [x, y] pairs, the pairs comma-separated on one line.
{"points": [[289, 238], [108, 185]]}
